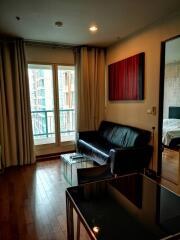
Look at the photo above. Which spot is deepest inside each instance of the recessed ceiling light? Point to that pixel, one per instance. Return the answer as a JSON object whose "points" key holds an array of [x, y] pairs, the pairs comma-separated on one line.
{"points": [[96, 229], [58, 24], [93, 28]]}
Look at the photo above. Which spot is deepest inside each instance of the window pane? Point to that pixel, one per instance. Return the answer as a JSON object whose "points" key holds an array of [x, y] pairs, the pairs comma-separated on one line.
{"points": [[66, 82], [42, 103]]}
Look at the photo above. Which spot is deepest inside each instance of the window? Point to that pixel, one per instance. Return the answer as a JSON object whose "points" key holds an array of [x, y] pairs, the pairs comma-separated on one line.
{"points": [[66, 76], [47, 120]]}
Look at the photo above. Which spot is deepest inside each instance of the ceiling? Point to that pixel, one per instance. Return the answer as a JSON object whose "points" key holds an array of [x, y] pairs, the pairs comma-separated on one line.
{"points": [[116, 19]]}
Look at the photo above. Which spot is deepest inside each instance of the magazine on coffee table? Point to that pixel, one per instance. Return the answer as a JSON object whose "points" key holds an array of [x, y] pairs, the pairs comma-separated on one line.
{"points": [[76, 156]]}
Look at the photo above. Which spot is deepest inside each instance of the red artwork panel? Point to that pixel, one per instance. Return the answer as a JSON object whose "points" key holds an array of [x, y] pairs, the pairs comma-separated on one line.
{"points": [[126, 79]]}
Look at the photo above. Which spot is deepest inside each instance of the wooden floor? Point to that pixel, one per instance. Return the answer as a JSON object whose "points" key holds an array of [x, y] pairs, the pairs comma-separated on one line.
{"points": [[32, 203], [170, 165]]}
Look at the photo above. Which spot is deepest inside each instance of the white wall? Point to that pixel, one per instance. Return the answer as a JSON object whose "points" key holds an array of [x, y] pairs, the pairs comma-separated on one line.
{"points": [[172, 53], [149, 41]]}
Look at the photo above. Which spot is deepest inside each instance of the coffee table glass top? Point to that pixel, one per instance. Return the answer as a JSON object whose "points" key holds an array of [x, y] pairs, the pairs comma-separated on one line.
{"points": [[127, 207], [72, 158]]}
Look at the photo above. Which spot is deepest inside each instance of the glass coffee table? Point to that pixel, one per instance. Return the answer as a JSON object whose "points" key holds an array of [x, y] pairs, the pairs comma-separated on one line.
{"points": [[127, 207], [74, 160]]}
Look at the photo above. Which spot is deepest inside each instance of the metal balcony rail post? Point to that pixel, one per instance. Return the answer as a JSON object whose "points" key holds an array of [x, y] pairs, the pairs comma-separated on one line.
{"points": [[46, 124]]}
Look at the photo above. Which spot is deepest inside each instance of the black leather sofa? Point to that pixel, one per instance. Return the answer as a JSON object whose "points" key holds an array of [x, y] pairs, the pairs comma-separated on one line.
{"points": [[125, 148]]}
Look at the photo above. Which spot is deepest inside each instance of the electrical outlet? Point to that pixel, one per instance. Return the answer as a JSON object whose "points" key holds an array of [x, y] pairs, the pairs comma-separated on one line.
{"points": [[151, 110]]}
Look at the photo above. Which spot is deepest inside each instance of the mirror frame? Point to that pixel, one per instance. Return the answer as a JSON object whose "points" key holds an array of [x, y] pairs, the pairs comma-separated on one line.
{"points": [[161, 102]]}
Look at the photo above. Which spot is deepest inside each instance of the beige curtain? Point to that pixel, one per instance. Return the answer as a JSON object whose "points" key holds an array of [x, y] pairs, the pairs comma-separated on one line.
{"points": [[16, 138], [90, 69]]}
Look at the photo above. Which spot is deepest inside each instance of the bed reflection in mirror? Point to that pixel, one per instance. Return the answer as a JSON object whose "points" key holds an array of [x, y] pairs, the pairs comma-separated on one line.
{"points": [[171, 112]]}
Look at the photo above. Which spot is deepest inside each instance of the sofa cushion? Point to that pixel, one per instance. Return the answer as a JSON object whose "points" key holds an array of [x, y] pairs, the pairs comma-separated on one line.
{"points": [[122, 135], [106, 130]]}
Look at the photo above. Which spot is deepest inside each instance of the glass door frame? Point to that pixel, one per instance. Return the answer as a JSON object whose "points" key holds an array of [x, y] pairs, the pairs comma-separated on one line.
{"points": [[58, 142]]}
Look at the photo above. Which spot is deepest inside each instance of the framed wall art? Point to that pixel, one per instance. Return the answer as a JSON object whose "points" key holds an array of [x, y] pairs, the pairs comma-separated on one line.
{"points": [[126, 79]]}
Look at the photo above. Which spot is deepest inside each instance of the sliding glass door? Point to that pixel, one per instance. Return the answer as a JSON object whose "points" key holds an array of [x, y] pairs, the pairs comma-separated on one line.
{"points": [[52, 97]]}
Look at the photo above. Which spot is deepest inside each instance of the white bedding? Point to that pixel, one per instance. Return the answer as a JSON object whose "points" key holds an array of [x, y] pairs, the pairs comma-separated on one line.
{"points": [[171, 130]]}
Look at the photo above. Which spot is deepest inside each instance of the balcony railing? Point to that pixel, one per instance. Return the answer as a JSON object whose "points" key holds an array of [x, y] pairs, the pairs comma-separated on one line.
{"points": [[43, 123]]}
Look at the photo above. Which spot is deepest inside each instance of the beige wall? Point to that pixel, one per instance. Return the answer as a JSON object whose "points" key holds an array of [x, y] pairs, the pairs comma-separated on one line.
{"points": [[49, 54], [42, 54], [148, 41]]}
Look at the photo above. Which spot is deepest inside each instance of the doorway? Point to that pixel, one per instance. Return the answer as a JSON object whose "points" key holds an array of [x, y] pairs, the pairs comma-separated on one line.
{"points": [[169, 111]]}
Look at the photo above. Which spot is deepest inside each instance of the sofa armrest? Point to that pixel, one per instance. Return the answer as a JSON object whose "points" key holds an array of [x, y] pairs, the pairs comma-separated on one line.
{"points": [[129, 159]]}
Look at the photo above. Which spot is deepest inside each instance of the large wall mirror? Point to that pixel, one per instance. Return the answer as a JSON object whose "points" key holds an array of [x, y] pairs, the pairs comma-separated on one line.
{"points": [[169, 111]]}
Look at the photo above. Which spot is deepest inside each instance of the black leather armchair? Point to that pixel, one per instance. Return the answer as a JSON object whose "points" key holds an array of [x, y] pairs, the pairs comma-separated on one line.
{"points": [[125, 148], [130, 159]]}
